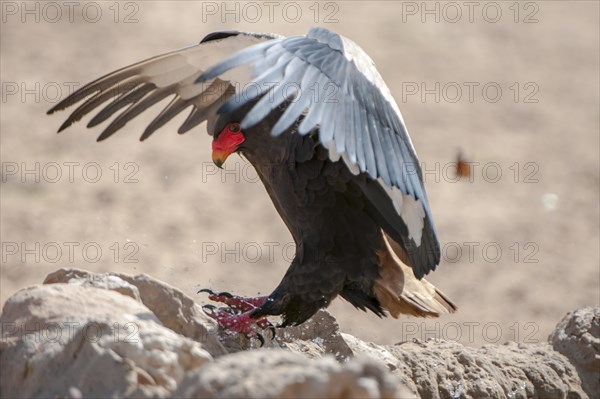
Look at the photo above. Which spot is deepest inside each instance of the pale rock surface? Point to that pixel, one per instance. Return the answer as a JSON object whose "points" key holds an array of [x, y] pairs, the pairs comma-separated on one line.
{"points": [[72, 340], [442, 369], [274, 373], [172, 307], [577, 336]]}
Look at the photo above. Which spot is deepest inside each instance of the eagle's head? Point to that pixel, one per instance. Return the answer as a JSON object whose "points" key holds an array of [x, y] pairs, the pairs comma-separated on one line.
{"points": [[227, 142]]}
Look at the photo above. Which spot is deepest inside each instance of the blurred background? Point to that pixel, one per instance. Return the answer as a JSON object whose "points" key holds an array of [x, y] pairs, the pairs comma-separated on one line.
{"points": [[513, 85]]}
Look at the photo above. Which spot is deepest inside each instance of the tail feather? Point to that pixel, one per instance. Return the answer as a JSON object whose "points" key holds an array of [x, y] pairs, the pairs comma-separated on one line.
{"points": [[400, 292]]}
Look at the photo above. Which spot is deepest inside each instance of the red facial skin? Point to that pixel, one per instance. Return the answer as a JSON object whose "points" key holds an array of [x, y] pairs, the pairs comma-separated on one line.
{"points": [[226, 143]]}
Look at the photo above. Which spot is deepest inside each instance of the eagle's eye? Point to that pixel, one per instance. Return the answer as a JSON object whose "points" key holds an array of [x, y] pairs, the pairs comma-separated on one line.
{"points": [[234, 127]]}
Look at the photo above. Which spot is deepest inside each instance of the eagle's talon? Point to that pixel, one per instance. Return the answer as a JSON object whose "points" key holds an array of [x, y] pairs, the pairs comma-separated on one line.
{"points": [[241, 303], [273, 332], [214, 312], [265, 324], [209, 309], [209, 306]]}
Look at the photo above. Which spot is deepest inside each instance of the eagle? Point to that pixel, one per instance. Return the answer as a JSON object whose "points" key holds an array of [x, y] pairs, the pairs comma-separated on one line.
{"points": [[316, 120]]}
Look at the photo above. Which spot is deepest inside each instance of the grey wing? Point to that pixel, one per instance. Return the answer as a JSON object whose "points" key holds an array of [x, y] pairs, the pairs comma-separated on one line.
{"points": [[333, 86], [135, 88]]}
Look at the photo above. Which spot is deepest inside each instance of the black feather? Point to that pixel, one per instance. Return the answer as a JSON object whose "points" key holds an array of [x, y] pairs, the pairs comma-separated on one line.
{"points": [[219, 35]]}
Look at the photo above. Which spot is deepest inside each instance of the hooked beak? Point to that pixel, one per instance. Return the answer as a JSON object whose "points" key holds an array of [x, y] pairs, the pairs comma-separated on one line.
{"points": [[219, 158]]}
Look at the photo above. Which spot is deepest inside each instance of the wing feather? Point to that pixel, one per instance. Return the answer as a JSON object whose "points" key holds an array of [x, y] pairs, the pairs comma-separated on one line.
{"points": [[136, 109], [176, 105], [371, 167], [378, 149], [298, 106], [120, 102], [350, 143], [136, 88], [97, 99]]}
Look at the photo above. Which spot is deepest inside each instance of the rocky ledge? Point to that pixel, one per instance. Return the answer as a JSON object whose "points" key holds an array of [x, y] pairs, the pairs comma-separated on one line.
{"points": [[81, 334]]}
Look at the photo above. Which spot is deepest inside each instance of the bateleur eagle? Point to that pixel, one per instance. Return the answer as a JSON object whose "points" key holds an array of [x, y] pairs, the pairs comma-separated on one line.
{"points": [[319, 125]]}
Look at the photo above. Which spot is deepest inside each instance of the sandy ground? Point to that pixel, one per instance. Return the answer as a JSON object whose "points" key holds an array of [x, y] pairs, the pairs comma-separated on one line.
{"points": [[521, 240]]}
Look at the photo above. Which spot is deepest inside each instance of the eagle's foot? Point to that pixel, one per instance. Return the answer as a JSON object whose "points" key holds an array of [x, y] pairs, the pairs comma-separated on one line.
{"points": [[233, 301], [237, 317], [242, 323]]}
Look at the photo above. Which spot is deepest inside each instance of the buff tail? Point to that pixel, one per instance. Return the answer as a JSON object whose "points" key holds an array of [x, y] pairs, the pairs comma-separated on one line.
{"points": [[400, 292]]}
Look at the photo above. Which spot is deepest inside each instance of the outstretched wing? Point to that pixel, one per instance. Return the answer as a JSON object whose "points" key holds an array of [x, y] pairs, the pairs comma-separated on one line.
{"points": [[139, 86], [331, 84]]}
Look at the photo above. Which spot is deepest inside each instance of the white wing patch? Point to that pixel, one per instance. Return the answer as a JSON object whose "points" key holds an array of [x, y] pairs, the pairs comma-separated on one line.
{"points": [[410, 210], [352, 167], [413, 215], [334, 156]]}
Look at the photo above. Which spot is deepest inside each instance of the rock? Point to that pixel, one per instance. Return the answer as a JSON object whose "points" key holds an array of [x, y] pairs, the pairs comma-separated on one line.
{"points": [[76, 340], [442, 369], [316, 337], [82, 278], [172, 307], [272, 373], [577, 336], [84, 334]]}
